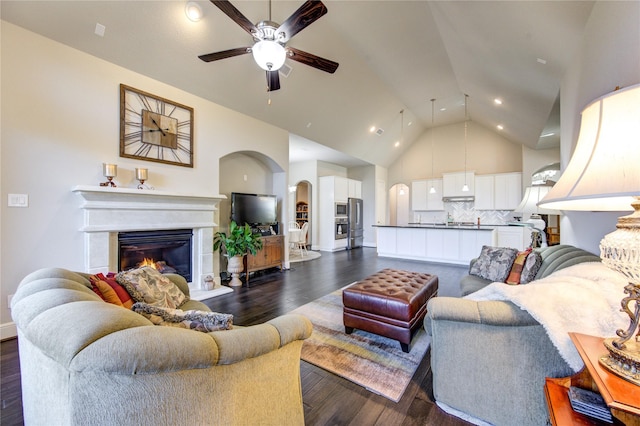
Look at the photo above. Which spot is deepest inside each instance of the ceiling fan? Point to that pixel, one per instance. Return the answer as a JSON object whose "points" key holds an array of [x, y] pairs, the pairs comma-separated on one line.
{"points": [[270, 49]]}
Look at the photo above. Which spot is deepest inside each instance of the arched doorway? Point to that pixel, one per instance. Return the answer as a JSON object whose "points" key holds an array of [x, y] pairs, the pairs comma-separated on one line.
{"points": [[399, 206], [302, 207]]}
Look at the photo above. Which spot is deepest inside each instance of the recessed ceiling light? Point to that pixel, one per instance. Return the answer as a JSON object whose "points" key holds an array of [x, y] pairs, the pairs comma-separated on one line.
{"points": [[541, 61], [500, 127], [193, 11], [497, 101], [409, 123], [372, 129], [443, 109], [397, 144]]}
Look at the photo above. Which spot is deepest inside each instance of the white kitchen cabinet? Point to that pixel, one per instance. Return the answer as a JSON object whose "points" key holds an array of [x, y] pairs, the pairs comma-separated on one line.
{"points": [[341, 189], [484, 192], [421, 197], [448, 245], [434, 201], [498, 191], [471, 244], [452, 184], [508, 191], [411, 242], [387, 241], [331, 190], [518, 237], [354, 188]]}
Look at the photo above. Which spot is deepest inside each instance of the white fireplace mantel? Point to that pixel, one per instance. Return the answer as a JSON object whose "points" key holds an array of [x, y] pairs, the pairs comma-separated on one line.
{"points": [[109, 210]]}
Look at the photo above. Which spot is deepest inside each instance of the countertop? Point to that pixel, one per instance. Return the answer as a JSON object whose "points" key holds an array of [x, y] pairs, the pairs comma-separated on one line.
{"points": [[469, 227]]}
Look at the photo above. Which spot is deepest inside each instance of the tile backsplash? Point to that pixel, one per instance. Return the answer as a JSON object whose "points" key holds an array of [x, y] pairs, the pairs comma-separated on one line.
{"points": [[464, 211]]}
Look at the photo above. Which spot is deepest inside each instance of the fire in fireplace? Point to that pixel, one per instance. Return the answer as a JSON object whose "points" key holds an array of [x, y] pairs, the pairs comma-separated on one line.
{"points": [[169, 251]]}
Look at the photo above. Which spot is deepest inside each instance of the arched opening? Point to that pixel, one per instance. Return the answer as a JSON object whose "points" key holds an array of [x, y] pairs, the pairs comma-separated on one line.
{"points": [[302, 208], [252, 172], [399, 205]]}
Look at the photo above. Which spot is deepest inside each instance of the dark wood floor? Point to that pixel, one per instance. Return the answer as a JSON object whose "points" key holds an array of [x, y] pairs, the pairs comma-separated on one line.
{"points": [[328, 399]]}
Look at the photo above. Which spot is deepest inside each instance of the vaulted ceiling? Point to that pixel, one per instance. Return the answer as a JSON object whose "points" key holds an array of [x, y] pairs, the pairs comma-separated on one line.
{"points": [[393, 56]]}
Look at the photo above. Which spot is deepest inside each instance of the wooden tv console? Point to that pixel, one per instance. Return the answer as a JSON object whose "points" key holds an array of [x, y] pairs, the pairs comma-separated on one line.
{"points": [[270, 256]]}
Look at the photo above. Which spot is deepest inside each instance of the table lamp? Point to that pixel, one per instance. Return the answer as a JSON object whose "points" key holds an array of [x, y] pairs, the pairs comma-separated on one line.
{"points": [[529, 205], [604, 175]]}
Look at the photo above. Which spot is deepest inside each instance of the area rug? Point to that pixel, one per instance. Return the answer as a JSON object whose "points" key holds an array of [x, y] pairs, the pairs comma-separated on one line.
{"points": [[294, 256], [374, 362]]}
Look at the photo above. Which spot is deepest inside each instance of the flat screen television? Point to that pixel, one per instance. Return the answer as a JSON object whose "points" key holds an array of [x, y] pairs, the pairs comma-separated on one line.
{"points": [[254, 209]]}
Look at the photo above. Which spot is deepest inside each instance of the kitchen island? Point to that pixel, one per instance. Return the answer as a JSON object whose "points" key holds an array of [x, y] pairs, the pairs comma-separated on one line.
{"points": [[455, 244]]}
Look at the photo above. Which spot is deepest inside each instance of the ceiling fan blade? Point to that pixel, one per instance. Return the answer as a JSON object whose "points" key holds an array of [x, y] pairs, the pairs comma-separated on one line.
{"points": [[225, 54], [312, 60], [306, 15], [273, 81], [235, 15]]}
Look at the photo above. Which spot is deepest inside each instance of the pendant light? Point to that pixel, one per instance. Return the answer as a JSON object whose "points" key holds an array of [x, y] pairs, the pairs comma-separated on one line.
{"points": [[401, 152], [433, 188], [465, 187]]}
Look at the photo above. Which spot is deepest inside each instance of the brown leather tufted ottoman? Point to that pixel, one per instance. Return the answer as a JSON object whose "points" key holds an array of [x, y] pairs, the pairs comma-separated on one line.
{"points": [[390, 303]]}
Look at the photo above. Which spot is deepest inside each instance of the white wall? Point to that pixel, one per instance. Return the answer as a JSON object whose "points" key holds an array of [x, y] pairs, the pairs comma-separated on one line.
{"points": [[609, 57], [487, 152], [60, 122]]}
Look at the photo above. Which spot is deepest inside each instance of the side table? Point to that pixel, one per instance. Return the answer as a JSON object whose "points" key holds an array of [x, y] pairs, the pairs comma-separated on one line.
{"points": [[621, 396]]}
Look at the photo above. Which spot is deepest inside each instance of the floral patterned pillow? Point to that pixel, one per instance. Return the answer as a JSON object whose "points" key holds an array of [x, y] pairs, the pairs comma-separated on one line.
{"points": [[147, 285], [531, 267], [494, 263], [192, 319]]}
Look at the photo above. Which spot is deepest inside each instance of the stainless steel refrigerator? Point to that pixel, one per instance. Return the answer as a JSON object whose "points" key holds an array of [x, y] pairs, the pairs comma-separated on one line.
{"points": [[354, 215]]}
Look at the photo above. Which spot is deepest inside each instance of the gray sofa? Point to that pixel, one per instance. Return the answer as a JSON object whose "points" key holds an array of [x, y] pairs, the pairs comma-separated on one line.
{"points": [[84, 361], [554, 258], [490, 358]]}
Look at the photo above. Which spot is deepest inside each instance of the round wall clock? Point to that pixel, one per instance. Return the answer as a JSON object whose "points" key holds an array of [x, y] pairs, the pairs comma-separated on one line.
{"points": [[155, 129]]}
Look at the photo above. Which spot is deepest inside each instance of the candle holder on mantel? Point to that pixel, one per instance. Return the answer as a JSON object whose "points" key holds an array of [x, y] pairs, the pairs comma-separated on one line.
{"points": [[142, 175], [109, 171]]}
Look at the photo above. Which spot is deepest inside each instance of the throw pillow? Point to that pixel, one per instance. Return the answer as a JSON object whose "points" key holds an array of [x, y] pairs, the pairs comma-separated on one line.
{"points": [[150, 286], [121, 292], [192, 319], [531, 267], [108, 294], [97, 291], [518, 265], [494, 263]]}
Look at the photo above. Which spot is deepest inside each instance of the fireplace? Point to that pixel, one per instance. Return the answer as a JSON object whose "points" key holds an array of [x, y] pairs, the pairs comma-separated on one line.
{"points": [[168, 251], [109, 212]]}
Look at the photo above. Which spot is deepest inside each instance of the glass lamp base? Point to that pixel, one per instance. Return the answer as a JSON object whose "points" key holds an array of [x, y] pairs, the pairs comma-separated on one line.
{"points": [[623, 362]]}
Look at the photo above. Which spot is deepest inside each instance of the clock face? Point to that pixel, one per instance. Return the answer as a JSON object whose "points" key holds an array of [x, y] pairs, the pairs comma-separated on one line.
{"points": [[155, 129]]}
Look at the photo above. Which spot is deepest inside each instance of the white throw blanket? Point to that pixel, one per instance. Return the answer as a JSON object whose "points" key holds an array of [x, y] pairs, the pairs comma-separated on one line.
{"points": [[583, 298]]}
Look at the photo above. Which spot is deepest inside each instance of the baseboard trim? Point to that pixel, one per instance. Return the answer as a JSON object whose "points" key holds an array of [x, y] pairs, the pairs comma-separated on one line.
{"points": [[8, 331]]}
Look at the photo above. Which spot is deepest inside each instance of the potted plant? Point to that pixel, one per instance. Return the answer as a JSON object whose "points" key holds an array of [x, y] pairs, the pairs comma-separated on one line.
{"points": [[240, 241]]}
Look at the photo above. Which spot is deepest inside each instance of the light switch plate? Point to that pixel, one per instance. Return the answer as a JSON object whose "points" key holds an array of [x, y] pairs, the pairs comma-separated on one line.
{"points": [[18, 200]]}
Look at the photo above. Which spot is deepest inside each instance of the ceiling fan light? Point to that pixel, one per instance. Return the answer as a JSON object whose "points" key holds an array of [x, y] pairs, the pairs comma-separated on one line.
{"points": [[269, 55]]}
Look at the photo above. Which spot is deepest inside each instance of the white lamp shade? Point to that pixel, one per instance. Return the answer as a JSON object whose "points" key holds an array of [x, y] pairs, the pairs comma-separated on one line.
{"points": [[529, 203], [603, 173], [269, 55]]}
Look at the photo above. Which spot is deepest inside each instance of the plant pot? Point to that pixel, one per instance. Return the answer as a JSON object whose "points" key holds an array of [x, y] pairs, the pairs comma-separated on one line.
{"points": [[235, 266]]}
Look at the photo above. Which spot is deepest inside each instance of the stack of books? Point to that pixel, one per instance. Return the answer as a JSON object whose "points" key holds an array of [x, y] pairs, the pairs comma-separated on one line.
{"points": [[589, 403]]}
